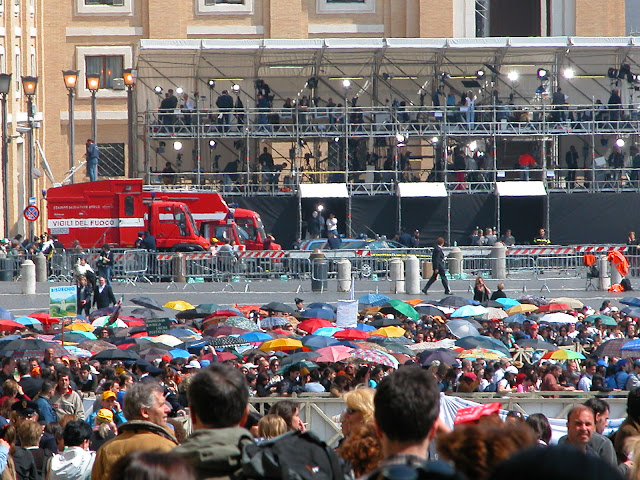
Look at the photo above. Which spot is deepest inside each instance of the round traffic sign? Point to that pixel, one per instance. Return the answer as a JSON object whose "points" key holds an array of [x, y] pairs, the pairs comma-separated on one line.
{"points": [[31, 213]]}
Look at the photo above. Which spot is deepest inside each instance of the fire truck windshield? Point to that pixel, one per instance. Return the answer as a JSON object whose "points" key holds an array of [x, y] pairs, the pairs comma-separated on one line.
{"points": [[190, 220]]}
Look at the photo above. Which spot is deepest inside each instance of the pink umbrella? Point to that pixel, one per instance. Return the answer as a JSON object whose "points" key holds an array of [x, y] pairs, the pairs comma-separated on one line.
{"points": [[333, 353]]}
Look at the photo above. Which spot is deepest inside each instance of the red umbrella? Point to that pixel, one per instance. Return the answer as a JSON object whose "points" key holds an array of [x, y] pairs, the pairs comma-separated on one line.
{"points": [[126, 346], [10, 326], [351, 334], [133, 321], [312, 324], [44, 318], [554, 307]]}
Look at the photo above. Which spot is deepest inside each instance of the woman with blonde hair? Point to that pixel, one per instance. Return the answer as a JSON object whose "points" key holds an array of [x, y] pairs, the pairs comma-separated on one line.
{"points": [[271, 426], [359, 411]]}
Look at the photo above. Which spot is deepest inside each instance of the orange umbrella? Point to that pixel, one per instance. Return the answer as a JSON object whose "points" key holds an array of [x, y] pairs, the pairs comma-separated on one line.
{"points": [[415, 301], [281, 344], [247, 309], [391, 331]]}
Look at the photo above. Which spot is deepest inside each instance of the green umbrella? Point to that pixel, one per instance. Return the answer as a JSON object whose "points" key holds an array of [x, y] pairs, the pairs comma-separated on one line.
{"points": [[298, 365], [606, 320], [208, 307], [404, 308]]}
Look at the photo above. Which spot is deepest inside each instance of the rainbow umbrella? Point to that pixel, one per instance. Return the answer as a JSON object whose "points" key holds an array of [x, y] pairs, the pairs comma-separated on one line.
{"points": [[563, 354]]}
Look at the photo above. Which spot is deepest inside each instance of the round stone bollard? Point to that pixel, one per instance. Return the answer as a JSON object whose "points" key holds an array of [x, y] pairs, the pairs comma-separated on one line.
{"points": [[412, 275], [498, 261], [319, 271], [40, 262], [427, 269], [396, 271], [455, 262], [179, 268], [28, 272], [344, 275], [605, 279]]}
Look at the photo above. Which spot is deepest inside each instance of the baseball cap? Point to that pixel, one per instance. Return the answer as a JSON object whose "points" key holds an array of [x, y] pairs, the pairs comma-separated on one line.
{"points": [[533, 325], [250, 365], [107, 394], [105, 415], [511, 369], [193, 364]]}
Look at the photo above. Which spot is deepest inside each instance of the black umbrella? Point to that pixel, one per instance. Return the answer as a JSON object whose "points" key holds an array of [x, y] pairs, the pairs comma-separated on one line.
{"points": [[116, 354], [143, 344], [147, 302], [224, 342], [327, 306], [144, 313], [192, 314], [101, 312], [30, 347], [385, 322], [429, 310], [385, 340], [455, 301], [492, 303], [278, 307], [297, 357], [443, 355], [536, 344]]}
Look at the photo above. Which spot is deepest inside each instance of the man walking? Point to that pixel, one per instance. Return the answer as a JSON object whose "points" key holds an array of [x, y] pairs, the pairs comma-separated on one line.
{"points": [[92, 160], [437, 260]]}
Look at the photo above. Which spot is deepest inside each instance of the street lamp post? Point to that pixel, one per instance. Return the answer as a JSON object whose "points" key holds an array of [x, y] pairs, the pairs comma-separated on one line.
{"points": [[70, 81], [29, 85], [5, 85], [93, 84], [129, 77]]}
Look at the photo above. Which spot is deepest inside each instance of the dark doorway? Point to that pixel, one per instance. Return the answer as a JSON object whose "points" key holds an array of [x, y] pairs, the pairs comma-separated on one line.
{"points": [[509, 18]]}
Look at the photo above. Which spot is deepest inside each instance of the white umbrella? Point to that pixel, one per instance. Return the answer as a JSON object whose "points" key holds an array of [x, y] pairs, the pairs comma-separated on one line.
{"points": [[569, 302], [493, 312], [169, 340], [462, 328], [558, 317], [101, 322]]}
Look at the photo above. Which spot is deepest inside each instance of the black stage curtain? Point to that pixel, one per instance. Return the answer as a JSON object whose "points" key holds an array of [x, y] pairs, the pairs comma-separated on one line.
{"points": [[372, 215], [523, 215], [469, 212], [427, 214], [279, 215]]}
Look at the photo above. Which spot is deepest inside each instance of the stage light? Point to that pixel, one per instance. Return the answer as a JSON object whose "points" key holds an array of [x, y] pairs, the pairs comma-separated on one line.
{"points": [[179, 90], [568, 73], [320, 207], [620, 142], [480, 74], [434, 140], [177, 145], [212, 143], [211, 83], [157, 89], [473, 146], [336, 139], [346, 83], [235, 88], [543, 73], [400, 138], [513, 76]]}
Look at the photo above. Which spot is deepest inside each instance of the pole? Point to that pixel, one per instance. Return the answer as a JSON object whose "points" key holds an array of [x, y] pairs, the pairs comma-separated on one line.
{"points": [[94, 120], [131, 148], [72, 139], [30, 158], [5, 166]]}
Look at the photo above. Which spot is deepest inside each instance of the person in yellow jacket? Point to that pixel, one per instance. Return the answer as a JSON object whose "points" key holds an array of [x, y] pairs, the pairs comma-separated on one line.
{"points": [[542, 238]]}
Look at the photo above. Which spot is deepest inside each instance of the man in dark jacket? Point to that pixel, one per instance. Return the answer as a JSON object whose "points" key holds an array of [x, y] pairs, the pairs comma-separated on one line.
{"points": [[437, 261], [30, 386], [104, 294], [219, 401]]}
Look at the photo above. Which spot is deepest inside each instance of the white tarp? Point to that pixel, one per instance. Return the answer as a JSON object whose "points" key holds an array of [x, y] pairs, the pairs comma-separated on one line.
{"points": [[520, 189], [422, 189], [323, 190]]}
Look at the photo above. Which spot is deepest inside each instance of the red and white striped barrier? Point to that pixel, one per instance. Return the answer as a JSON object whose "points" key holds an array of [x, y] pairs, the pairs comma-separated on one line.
{"points": [[541, 251], [263, 254], [600, 248]]}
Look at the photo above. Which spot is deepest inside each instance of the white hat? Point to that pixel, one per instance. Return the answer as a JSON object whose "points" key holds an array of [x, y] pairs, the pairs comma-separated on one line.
{"points": [[193, 364], [250, 365], [511, 369]]}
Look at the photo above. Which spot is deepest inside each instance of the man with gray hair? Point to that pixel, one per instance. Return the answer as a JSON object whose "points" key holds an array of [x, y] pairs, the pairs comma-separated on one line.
{"points": [[146, 409]]}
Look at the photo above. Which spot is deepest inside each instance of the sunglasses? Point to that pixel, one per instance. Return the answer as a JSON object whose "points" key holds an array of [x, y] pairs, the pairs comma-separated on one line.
{"points": [[351, 411]]}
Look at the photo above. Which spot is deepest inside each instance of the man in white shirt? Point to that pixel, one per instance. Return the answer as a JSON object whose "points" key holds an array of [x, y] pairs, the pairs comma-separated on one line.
{"points": [[585, 381]]}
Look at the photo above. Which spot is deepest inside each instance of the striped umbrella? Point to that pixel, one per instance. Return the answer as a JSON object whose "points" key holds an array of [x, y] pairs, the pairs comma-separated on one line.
{"points": [[564, 354], [374, 356]]}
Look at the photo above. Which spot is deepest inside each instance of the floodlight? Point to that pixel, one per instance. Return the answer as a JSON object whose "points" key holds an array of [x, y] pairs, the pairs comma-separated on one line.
{"points": [[177, 145], [346, 83], [179, 90], [543, 73], [157, 89], [568, 73], [235, 87], [480, 74], [620, 142], [513, 76]]}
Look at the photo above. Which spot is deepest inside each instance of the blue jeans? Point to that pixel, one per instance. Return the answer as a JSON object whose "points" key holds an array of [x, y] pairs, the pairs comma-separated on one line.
{"points": [[92, 167]]}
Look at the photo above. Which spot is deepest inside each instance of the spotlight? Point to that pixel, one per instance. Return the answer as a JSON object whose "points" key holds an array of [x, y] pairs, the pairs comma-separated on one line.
{"points": [[211, 83], [568, 73], [444, 75], [612, 73], [177, 145], [543, 73], [620, 142], [179, 90], [513, 76], [346, 83], [235, 87], [157, 89], [473, 146], [212, 143], [480, 74], [320, 207], [434, 140], [400, 138], [336, 139]]}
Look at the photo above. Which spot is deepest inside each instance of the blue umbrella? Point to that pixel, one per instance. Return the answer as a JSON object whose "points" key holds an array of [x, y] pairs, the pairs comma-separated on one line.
{"points": [[631, 311], [318, 313], [256, 336], [507, 302], [373, 299], [483, 342], [318, 341], [6, 314], [76, 337], [179, 353], [197, 346], [326, 331], [273, 322], [326, 306], [365, 327], [631, 301], [184, 333], [469, 311], [631, 349], [28, 321], [517, 318]]}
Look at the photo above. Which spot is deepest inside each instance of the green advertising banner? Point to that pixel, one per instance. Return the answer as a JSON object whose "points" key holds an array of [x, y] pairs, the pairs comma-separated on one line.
{"points": [[157, 326]]}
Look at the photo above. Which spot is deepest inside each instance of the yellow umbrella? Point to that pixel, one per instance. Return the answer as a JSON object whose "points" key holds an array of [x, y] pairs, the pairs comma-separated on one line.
{"points": [[282, 344], [179, 305], [80, 327], [481, 353], [522, 308], [392, 331]]}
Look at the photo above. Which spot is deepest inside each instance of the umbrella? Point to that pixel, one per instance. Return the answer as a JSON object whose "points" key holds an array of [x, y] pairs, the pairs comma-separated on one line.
{"points": [[429, 310], [247, 309], [491, 303], [297, 366], [507, 302], [631, 301], [44, 317], [30, 347], [611, 348], [563, 354], [280, 307], [443, 355], [167, 340], [606, 320], [403, 308], [629, 311], [374, 356], [494, 313], [147, 303], [469, 311], [322, 313], [116, 354], [522, 308], [80, 327], [484, 353], [517, 318], [326, 331], [536, 344], [6, 314], [208, 307], [76, 337], [184, 333], [326, 306], [28, 321], [102, 321], [392, 331], [333, 353], [273, 322], [385, 322], [10, 325], [298, 357], [192, 314], [317, 341], [180, 305], [223, 330], [392, 346], [456, 301], [630, 349], [281, 344], [573, 303], [223, 356], [96, 346], [256, 336], [532, 300], [395, 340], [225, 342], [144, 313], [132, 321], [365, 327], [373, 299], [351, 334], [558, 317], [150, 354], [78, 352], [224, 313], [462, 328], [241, 322], [553, 307], [179, 353], [483, 342], [313, 324]]}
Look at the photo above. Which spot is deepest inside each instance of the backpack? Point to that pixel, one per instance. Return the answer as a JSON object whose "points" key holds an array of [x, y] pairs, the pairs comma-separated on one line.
{"points": [[626, 285], [293, 456]]}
